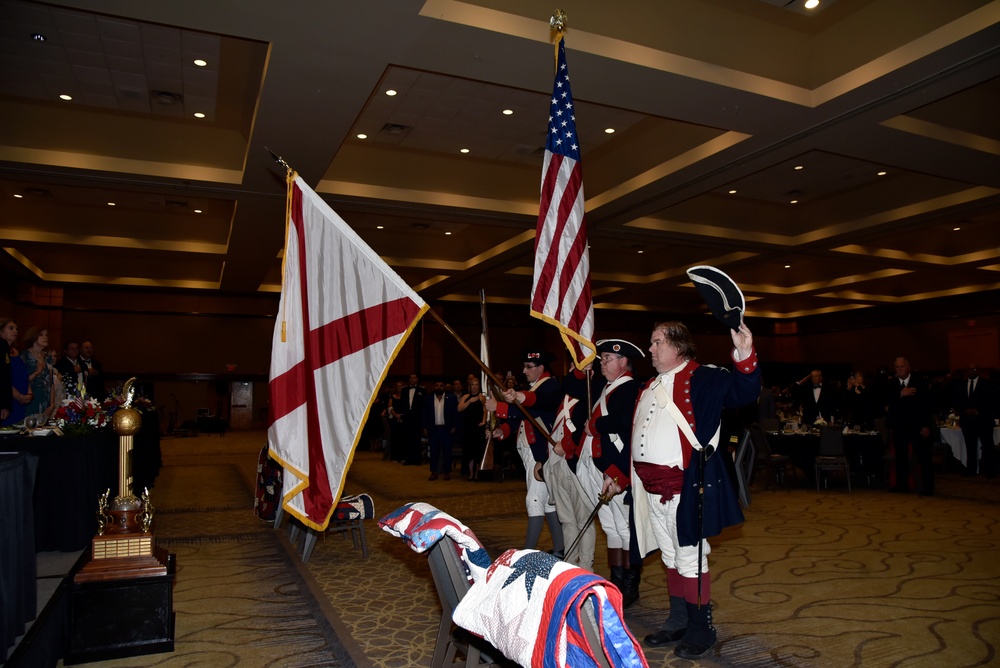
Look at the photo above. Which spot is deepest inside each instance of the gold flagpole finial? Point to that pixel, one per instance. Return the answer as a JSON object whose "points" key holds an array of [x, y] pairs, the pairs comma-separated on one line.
{"points": [[558, 21]]}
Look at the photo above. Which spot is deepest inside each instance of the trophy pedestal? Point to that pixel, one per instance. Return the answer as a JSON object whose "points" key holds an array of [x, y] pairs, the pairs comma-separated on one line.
{"points": [[119, 616]]}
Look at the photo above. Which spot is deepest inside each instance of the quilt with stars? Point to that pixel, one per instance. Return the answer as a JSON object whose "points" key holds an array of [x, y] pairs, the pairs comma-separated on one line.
{"points": [[422, 525], [533, 607]]}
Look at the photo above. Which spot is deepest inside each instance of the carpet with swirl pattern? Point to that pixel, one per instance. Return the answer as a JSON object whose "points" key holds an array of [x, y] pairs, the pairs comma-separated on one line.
{"points": [[240, 597]]}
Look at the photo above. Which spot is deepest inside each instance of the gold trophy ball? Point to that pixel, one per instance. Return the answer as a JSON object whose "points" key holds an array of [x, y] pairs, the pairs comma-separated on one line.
{"points": [[126, 421]]}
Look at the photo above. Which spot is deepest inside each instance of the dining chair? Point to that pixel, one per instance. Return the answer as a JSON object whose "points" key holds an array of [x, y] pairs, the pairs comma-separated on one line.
{"points": [[773, 465], [832, 456], [744, 464]]}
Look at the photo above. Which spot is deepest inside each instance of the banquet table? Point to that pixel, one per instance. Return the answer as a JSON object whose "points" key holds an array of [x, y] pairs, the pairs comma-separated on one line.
{"points": [[864, 451], [956, 441], [71, 473]]}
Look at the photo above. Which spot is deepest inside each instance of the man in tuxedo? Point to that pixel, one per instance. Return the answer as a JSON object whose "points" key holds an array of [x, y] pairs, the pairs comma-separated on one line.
{"points": [[974, 400], [413, 403], [93, 369], [70, 367], [440, 416], [909, 420], [815, 399]]}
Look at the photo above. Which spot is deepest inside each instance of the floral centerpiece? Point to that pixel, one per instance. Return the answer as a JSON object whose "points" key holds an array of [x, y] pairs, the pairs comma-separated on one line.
{"points": [[81, 415]]}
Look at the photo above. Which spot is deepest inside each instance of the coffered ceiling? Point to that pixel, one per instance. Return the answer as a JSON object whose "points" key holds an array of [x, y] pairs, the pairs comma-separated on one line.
{"points": [[835, 161]]}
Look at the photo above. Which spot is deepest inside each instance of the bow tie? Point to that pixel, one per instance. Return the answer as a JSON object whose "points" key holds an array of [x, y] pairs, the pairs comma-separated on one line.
{"points": [[816, 387]]}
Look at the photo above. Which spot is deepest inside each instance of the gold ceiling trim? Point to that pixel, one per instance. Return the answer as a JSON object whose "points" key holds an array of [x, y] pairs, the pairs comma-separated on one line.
{"points": [[915, 297], [463, 13], [868, 223], [807, 312], [929, 130], [925, 258], [104, 163], [820, 285], [434, 280], [665, 169], [95, 279], [371, 191], [114, 242], [923, 46]]}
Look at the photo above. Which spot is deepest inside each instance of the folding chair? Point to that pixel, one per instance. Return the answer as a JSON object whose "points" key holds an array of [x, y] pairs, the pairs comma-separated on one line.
{"points": [[452, 583]]}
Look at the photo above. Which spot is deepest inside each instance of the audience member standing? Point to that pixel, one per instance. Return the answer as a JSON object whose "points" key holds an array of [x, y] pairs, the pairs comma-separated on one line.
{"points": [[8, 335], [909, 420], [38, 360], [70, 368], [396, 412], [473, 431], [974, 400], [815, 399], [93, 371], [440, 415], [413, 403]]}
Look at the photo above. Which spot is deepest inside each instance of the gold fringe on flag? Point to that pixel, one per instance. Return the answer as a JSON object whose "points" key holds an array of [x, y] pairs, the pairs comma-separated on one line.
{"points": [[290, 177]]}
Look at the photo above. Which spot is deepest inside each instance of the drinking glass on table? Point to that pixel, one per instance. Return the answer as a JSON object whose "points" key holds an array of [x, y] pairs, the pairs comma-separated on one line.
{"points": [[31, 423]]}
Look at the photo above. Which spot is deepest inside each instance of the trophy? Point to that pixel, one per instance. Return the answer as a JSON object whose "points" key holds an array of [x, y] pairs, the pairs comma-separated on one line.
{"points": [[124, 546]]}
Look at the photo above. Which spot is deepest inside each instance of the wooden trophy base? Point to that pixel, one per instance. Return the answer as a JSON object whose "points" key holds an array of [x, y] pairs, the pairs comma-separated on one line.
{"points": [[120, 616]]}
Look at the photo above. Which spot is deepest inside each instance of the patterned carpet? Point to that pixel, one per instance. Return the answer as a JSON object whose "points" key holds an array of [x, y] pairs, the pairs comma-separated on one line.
{"points": [[811, 579], [240, 597]]}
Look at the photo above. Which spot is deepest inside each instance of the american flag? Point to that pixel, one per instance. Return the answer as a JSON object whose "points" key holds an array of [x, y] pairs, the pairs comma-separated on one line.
{"points": [[560, 294]]}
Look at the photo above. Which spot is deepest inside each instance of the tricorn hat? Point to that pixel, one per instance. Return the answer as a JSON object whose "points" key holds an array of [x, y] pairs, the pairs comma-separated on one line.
{"points": [[537, 356], [721, 293], [620, 347]]}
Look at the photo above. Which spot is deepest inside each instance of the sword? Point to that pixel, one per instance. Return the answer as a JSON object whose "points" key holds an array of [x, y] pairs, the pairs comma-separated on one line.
{"points": [[602, 500]]}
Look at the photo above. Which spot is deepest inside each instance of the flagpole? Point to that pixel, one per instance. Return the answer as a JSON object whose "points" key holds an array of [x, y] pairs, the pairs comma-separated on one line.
{"points": [[496, 379]]}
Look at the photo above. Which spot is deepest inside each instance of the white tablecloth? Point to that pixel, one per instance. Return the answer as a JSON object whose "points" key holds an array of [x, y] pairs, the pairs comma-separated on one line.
{"points": [[954, 438]]}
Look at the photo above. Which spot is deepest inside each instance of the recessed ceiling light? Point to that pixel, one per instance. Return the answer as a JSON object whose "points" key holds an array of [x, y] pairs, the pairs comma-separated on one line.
{"points": [[464, 150], [38, 37], [610, 131], [380, 227], [794, 201], [362, 135], [111, 203], [639, 251], [18, 196], [66, 97], [447, 234], [198, 114], [732, 192], [881, 174], [956, 229], [788, 266], [812, 4], [390, 92], [508, 112], [798, 167], [197, 210], [200, 63]]}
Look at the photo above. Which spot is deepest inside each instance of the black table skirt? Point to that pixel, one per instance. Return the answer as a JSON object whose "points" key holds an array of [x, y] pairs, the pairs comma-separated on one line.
{"points": [[18, 594]]}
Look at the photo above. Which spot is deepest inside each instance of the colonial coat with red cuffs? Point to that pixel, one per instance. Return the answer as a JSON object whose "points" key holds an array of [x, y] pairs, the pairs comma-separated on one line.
{"points": [[615, 425], [701, 393], [542, 402]]}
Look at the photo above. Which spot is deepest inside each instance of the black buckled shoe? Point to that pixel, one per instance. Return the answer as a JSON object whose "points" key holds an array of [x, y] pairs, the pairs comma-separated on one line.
{"points": [[661, 638], [689, 650]]}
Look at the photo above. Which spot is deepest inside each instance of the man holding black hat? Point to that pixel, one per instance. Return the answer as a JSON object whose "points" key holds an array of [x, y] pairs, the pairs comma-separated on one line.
{"points": [[606, 459], [681, 491], [541, 399]]}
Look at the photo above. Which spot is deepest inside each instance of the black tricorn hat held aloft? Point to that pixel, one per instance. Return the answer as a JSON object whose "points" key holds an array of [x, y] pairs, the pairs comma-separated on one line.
{"points": [[721, 293]]}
